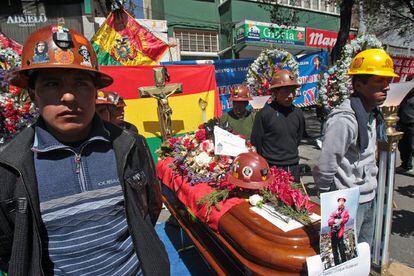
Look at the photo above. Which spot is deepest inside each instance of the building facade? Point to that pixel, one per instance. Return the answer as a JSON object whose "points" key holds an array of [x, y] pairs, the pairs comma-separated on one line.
{"points": [[212, 29], [19, 18]]}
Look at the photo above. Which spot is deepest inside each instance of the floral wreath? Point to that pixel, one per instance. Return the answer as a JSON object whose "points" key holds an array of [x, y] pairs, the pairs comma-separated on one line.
{"points": [[335, 85], [260, 72], [16, 110]]}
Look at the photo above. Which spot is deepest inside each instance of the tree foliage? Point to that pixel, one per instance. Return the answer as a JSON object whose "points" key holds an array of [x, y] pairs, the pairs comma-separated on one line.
{"points": [[390, 18]]}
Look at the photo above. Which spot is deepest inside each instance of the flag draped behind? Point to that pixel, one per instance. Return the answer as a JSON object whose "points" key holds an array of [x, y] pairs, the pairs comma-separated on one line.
{"points": [[198, 82], [122, 41]]}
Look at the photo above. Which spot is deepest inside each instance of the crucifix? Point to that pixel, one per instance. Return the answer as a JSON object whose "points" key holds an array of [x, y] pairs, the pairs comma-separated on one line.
{"points": [[161, 92]]}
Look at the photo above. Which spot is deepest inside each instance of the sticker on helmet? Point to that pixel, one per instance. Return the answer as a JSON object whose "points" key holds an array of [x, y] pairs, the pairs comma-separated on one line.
{"points": [[64, 56], [357, 63], [247, 172], [388, 63], [86, 56], [41, 52], [236, 166]]}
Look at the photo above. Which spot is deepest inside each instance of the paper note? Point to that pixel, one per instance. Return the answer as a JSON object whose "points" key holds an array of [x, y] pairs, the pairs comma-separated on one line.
{"points": [[226, 143], [280, 223]]}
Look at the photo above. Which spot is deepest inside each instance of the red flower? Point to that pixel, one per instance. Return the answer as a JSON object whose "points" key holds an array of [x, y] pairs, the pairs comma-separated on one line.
{"points": [[211, 166], [200, 135]]}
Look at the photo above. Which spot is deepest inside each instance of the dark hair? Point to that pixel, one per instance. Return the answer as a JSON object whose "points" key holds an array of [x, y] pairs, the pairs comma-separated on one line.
{"points": [[46, 47], [32, 75], [361, 78]]}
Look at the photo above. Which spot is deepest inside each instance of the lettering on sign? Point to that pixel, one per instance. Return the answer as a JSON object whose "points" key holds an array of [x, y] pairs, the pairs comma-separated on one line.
{"points": [[27, 19], [321, 38]]}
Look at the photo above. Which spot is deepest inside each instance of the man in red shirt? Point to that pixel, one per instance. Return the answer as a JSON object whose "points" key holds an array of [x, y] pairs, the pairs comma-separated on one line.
{"points": [[337, 221]]}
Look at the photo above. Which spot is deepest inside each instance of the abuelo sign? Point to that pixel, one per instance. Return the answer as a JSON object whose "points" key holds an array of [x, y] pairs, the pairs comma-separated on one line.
{"points": [[266, 32], [321, 38]]}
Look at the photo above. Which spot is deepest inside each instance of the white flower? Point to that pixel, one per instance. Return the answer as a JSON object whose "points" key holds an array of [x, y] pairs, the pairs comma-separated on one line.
{"points": [[255, 199], [203, 159]]}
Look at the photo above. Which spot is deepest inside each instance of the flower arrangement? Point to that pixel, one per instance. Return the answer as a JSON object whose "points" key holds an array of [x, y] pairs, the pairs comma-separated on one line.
{"points": [[260, 72], [16, 109], [194, 158], [335, 85], [285, 196]]}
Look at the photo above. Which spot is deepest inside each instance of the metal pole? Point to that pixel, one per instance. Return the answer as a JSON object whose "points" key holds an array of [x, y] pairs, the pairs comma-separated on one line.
{"points": [[388, 213], [379, 211]]}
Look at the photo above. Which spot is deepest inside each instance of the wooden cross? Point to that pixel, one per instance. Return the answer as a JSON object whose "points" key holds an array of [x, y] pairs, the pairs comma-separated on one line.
{"points": [[161, 92]]}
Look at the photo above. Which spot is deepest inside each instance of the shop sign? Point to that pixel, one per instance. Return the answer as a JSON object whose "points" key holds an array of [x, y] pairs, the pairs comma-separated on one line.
{"points": [[27, 19], [265, 32], [321, 38], [404, 67]]}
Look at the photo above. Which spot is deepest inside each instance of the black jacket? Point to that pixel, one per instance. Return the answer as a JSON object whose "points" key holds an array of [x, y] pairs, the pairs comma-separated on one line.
{"points": [[277, 132], [20, 218]]}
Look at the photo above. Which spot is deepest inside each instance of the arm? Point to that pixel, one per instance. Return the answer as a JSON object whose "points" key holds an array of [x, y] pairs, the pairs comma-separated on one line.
{"points": [[153, 187], [338, 137], [331, 220], [302, 127], [256, 137], [345, 217]]}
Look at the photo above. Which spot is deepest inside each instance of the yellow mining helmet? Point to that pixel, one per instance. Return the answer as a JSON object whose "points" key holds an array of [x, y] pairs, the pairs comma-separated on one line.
{"points": [[372, 62]]}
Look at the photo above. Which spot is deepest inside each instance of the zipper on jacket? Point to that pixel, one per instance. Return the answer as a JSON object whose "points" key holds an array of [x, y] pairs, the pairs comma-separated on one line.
{"points": [[78, 167]]}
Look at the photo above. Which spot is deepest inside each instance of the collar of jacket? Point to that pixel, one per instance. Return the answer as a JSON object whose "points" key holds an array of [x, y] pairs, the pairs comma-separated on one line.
{"points": [[19, 156], [44, 141]]}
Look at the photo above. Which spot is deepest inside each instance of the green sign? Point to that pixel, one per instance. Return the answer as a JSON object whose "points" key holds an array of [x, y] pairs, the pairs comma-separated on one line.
{"points": [[265, 32]]}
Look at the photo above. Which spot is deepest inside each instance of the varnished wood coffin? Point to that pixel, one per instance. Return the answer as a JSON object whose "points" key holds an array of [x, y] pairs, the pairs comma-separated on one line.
{"points": [[246, 243]]}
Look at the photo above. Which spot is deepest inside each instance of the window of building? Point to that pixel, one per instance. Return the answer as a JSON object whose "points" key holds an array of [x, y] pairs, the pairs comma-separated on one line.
{"points": [[197, 41], [316, 5]]}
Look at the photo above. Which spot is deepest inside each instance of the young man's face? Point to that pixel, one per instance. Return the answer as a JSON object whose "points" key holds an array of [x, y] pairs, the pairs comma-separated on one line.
{"points": [[341, 203], [119, 115], [66, 100], [284, 96], [239, 108], [41, 47], [374, 90]]}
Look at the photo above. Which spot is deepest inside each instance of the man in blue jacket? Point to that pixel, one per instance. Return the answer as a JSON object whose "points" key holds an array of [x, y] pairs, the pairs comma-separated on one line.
{"points": [[77, 195]]}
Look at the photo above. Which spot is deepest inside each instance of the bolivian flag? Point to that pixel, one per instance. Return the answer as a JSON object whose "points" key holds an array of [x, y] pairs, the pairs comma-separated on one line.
{"points": [[122, 41], [198, 82]]}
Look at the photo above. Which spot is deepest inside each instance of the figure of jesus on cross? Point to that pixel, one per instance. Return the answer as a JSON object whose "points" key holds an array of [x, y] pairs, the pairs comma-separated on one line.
{"points": [[161, 92]]}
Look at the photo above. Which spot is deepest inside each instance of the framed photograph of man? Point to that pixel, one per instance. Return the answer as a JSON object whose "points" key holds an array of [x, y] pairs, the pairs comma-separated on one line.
{"points": [[338, 238]]}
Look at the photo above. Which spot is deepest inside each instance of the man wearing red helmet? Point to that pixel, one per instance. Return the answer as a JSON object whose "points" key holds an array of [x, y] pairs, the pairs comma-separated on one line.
{"points": [[279, 126], [239, 119], [336, 222], [118, 117], [77, 195]]}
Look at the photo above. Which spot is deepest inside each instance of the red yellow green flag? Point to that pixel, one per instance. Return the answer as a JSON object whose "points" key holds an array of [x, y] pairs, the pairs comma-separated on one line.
{"points": [[122, 41]]}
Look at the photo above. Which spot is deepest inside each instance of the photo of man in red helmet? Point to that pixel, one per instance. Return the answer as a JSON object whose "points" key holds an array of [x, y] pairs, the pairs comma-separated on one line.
{"points": [[337, 221]]}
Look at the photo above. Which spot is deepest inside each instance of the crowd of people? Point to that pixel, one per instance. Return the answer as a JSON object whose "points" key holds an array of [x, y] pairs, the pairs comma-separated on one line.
{"points": [[82, 171]]}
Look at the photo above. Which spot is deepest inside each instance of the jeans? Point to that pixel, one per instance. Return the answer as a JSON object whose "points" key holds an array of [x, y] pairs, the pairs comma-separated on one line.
{"points": [[365, 222], [338, 248]]}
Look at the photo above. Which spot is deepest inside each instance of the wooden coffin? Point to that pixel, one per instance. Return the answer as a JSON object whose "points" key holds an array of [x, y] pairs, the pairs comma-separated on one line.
{"points": [[246, 243]]}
